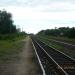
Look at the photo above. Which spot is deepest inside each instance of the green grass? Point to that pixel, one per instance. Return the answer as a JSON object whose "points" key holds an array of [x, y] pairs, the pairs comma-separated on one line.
{"points": [[69, 52], [59, 47], [65, 39], [9, 48]]}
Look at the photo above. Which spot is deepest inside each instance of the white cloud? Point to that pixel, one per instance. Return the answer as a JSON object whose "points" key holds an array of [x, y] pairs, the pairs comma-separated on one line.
{"points": [[36, 15], [30, 14]]}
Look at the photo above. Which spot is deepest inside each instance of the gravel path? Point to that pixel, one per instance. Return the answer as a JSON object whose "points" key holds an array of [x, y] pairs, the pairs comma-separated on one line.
{"points": [[26, 64]]}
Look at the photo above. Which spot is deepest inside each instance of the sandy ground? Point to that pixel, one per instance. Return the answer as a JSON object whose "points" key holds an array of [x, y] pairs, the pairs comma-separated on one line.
{"points": [[26, 64]]}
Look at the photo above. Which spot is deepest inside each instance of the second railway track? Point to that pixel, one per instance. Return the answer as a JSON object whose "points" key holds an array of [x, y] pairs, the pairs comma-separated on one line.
{"points": [[53, 62]]}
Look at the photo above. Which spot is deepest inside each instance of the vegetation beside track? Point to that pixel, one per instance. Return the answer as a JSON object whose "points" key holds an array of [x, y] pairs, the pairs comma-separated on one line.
{"points": [[58, 38], [9, 48], [62, 39], [10, 37], [62, 34], [57, 46]]}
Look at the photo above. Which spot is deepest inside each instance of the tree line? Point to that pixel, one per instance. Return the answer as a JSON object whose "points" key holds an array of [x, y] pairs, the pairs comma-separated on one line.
{"points": [[7, 27], [6, 23], [62, 31]]}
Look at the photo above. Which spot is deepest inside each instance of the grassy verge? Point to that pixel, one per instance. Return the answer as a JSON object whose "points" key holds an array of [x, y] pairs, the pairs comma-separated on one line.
{"points": [[59, 47], [63, 39], [9, 49]]}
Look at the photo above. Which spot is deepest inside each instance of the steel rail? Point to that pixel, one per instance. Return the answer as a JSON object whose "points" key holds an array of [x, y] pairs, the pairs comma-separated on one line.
{"points": [[65, 73], [59, 51], [38, 59], [59, 42], [71, 69]]}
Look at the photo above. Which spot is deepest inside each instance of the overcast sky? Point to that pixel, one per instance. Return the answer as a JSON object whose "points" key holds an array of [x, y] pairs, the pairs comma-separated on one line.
{"points": [[35, 15]]}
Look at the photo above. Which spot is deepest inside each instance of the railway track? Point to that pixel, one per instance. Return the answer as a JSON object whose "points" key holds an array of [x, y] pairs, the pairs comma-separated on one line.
{"points": [[66, 45], [52, 61]]}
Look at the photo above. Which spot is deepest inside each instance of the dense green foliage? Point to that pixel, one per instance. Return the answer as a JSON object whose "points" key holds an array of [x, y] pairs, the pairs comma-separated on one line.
{"points": [[63, 31], [10, 37], [6, 23], [8, 30]]}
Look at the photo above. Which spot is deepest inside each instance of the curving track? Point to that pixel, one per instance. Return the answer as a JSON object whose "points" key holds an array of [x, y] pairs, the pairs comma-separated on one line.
{"points": [[52, 61]]}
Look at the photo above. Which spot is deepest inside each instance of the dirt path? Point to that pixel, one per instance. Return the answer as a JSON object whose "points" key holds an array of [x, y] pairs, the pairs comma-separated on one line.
{"points": [[27, 63]]}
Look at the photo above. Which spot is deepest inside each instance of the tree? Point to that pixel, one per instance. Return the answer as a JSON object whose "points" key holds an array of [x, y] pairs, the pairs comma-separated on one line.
{"points": [[6, 23], [62, 31], [71, 33]]}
